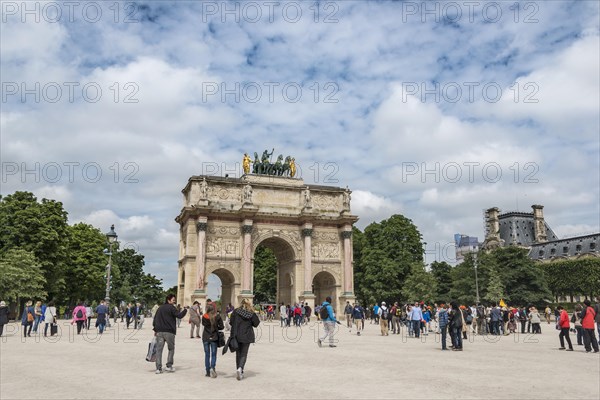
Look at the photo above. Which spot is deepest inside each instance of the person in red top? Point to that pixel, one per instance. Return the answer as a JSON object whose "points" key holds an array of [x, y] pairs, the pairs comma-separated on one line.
{"points": [[588, 314], [564, 323]]}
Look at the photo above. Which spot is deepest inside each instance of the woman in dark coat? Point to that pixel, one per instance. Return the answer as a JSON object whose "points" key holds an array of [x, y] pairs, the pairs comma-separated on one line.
{"points": [[243, 322], [212, 323], [27, 318], [3, 316]]}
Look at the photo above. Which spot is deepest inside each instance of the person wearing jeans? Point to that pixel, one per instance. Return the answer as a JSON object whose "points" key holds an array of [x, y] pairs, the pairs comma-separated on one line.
{"points": [[415, 316], [443, 324], [165, 328], [212, 323]]}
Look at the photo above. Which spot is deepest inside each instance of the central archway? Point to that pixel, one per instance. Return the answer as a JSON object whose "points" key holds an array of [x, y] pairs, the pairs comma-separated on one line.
{"points": [[285, 270]]}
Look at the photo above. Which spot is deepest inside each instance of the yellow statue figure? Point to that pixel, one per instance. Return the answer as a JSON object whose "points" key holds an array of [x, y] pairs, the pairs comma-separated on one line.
{"points": [[246, 163], [292, 167]]}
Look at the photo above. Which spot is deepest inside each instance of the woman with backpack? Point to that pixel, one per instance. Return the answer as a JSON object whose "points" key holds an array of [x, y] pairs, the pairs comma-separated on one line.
{"points": [[27, 318], [79, 317], [212, 323]]}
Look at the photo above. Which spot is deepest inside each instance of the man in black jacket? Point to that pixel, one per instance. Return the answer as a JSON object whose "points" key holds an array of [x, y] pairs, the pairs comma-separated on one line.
{"points": [[165, 328]]}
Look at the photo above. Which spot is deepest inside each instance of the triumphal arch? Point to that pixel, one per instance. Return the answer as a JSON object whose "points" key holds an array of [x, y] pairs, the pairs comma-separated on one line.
{"points": [[308, 227]]}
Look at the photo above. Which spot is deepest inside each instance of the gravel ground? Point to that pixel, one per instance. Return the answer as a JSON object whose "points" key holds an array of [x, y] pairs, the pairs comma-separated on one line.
{"points": [[287, 363]]}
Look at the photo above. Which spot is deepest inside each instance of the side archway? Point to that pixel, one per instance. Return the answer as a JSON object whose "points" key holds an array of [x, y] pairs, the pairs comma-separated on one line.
{"points": [[324, 285], [227, 287]]}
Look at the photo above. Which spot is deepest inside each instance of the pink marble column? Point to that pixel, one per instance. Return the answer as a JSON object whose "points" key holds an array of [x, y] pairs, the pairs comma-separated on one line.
{"points": [[347, 236], [247, 257], [201, 226], [307, 234]]}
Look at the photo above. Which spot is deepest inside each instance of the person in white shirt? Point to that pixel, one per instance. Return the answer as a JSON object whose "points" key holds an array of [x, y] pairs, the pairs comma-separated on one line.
{"points": [[89, 313], [49, 317], [283, 315]]}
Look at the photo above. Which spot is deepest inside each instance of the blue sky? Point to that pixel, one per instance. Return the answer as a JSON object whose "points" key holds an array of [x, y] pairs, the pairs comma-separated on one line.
{"points": [[436, 113]]}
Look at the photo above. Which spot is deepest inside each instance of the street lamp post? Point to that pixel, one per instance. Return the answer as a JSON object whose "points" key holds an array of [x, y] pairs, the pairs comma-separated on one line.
{"points": [[111, 236]]}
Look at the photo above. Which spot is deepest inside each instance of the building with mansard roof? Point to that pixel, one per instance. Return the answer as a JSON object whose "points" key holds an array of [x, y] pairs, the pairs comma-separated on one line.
{"points": [[530, 230]]}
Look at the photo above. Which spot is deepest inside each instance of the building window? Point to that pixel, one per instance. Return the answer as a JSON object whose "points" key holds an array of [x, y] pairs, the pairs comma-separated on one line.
{"points": [[578, 248], [566, 250], [593, 246], [541, 253], [552, 252]]}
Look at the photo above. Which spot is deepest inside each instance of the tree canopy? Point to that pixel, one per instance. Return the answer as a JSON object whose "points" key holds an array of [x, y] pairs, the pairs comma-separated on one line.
{"points": [[36, 238], [385, 253]]}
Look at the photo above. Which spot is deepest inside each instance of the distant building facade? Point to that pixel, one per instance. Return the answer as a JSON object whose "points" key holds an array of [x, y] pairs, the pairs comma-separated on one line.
{"points": [[464, 245], [531, 231]]}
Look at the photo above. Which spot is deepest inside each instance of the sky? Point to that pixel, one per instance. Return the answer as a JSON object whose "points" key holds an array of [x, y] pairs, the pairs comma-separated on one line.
{"points": [[433, 110]]}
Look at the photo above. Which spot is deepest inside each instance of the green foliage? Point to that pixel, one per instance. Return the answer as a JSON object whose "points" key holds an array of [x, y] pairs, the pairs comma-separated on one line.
{"points": [[504, 273], [387, 251], [40, 228], [357, 248], [523, 280], [265, 275], [129, 283], [463, 282], [420, 285], [86, 279], [166, 292], [441, 272], [21, 276], [70, 258], [495, 288], [150, 290], [572, 277]]}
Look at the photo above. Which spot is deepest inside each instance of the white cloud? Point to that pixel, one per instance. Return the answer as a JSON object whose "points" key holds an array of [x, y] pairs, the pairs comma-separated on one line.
{"points": [[366, 139]]}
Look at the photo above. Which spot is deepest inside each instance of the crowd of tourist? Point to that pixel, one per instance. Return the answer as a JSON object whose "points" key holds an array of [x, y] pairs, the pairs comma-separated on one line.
{"points": [[414, 319]]}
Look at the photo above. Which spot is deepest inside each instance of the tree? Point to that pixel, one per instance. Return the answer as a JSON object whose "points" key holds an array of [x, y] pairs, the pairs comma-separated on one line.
{"points": [[495, 288], [441, 272], [524, 280], [463, 281], [265, 275], [420, 285], [21, 276], [86, 277], [574, 276], [128, 275], [150, 290], [389, 249], [40, 228], [357, 247]]}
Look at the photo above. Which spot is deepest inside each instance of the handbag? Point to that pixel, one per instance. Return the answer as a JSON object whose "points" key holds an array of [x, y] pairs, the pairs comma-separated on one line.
{"points": [[464, 324], [151, 356], [220, 339], [232, 344]]}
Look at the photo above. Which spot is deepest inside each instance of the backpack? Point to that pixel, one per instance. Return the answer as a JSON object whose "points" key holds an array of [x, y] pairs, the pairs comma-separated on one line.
{"points": [[385, 313], [324, 313], [79, 314], [29, 316]]}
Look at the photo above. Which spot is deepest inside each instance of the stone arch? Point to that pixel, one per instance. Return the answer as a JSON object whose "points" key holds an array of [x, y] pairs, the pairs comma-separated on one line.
{"points": [[287, 264], [228, 283], [220, 228], [324, 284]]}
